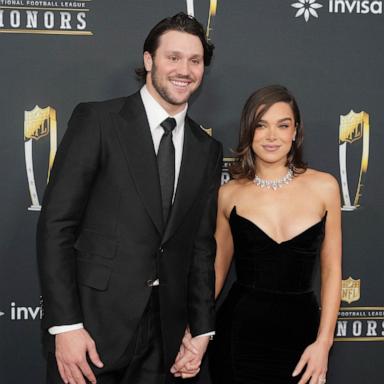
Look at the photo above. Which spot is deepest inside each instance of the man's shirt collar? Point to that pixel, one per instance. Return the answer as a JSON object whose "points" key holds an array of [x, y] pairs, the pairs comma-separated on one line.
{"points": [[156, 114]]}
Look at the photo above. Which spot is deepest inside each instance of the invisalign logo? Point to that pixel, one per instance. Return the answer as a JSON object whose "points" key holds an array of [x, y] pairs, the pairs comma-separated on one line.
{"points": [[356, 6], [307, 8]]}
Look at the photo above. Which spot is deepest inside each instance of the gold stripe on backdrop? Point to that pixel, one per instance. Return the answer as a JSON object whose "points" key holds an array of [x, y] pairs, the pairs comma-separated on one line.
{"points": [[359, 339], [46, 32], [47, 9]]}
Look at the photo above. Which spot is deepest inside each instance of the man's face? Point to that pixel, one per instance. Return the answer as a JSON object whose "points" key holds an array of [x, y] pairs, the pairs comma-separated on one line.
{"points": [[176, 70]]}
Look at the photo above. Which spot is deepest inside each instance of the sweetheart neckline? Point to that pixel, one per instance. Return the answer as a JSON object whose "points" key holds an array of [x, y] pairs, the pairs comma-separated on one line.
{"points": [[234, 210]]}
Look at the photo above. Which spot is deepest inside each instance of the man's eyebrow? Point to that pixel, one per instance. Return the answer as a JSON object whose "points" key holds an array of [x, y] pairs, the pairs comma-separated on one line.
{"points": [[181, 53]]}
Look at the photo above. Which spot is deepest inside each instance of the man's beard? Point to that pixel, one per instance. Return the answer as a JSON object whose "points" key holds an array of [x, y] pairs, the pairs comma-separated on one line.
{"points": [[162, 90]]}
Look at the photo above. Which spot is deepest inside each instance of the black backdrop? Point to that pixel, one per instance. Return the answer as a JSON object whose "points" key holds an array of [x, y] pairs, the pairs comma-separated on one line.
{"points": [[67, 52]]}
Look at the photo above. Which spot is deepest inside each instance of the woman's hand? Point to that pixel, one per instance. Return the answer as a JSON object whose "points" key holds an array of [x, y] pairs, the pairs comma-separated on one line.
{"points": [[315, 358]]}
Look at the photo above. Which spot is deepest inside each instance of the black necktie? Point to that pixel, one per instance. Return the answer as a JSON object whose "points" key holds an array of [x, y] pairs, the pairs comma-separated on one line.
{"points": [[166, 164]]}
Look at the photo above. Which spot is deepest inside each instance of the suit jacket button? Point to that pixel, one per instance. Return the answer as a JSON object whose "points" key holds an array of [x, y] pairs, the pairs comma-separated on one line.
{"points": [[149, 283], [161, 250]]}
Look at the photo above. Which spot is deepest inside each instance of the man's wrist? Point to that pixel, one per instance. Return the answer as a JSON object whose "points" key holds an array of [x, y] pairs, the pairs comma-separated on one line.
{"points": [[65, 328], [208, 334]]}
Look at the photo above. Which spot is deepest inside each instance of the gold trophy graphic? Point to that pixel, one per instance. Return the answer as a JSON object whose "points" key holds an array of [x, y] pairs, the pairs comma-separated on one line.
{"points": [[38, 123], [212, 13], [353, 128]]}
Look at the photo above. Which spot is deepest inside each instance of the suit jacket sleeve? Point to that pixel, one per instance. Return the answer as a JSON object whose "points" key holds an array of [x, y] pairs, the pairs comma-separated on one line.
{"points": [[73, 172], [201, 287]]}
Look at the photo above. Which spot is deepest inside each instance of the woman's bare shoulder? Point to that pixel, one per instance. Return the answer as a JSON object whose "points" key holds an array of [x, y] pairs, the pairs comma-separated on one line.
{"points": [[230, 190], [323, 182]]}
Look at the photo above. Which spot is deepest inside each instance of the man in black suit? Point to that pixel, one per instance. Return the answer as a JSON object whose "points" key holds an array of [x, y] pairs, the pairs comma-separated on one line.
{"points": [[125, 237]]}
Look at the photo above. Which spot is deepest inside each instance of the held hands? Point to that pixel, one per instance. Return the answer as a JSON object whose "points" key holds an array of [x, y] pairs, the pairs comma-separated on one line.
{"points": [[71, 351], [315, 358], [189, 358]]}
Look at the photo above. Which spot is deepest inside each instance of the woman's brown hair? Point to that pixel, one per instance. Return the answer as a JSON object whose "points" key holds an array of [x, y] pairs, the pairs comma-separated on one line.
{"points": [[254, 109]]}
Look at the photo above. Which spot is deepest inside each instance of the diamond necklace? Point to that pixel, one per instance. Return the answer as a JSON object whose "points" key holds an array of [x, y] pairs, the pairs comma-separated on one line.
{"points": [[274, 184]]}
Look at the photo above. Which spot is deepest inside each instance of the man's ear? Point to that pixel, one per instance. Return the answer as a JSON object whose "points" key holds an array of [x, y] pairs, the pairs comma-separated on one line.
{"points": [[147, 57]]}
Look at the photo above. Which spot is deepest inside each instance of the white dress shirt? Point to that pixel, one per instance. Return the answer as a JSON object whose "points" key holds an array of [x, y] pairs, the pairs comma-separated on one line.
{"points": [[156, 114]]}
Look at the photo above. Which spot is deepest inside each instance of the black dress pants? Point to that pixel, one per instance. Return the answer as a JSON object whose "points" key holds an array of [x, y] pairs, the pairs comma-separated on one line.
{"points": [[142, 362]]}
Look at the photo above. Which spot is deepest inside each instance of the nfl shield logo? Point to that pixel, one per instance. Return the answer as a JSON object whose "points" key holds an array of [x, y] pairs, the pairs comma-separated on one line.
{"points": [[350, 290]]}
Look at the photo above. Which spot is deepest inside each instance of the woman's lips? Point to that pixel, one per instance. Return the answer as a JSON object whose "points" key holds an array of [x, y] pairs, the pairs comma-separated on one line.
{"points": [[271, 148]]}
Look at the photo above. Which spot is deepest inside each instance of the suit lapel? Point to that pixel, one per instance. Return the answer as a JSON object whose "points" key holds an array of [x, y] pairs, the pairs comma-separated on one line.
{"points": [[191, 175], [135, 136]]}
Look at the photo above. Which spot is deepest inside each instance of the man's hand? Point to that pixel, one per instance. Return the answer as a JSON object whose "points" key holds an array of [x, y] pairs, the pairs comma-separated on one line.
{"points": [[71, 352], [189, 358]]}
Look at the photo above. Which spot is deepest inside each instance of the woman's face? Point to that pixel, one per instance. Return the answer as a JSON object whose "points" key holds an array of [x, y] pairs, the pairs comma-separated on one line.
{"points": [[274, 134]]}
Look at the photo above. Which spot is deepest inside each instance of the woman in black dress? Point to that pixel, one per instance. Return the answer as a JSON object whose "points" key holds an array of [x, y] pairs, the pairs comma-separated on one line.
{"points": [[275, 219]]}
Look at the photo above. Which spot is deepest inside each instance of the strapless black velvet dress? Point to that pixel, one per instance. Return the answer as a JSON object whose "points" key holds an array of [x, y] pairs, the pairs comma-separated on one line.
{"points": [[271, 313]]}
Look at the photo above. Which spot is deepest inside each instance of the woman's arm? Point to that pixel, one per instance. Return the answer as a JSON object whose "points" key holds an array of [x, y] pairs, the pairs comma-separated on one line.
{"points": [[315, 357], [330, 262], [223, 236]]}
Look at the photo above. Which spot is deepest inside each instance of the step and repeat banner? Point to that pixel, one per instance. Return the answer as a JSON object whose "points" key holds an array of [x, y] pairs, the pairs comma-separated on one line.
{"points": [[55, 54]]}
